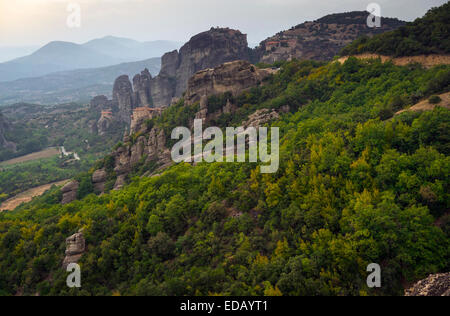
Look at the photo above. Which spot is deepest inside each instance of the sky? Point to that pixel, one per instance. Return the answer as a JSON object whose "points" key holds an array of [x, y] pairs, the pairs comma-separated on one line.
{"points": [[37, 22]]}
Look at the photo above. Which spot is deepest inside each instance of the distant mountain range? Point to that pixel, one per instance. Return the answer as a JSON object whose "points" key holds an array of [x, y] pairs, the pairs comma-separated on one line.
{"points": [[63, 56], [71, 86]]}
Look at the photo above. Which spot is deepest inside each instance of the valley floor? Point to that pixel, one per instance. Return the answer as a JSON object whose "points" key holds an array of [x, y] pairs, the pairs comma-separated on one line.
{"points": [[27, 196], [46, 153]]}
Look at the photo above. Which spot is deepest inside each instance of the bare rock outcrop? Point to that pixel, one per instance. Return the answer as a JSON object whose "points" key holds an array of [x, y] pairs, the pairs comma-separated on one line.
{"points": [[233, 77], [123, 97], [75, 248], [142, 114], [141, 87], [205, 50], [69, 192], [151, 146], [321, 39], [105, 122], [99, 178], [261, 117], [434, 285]]}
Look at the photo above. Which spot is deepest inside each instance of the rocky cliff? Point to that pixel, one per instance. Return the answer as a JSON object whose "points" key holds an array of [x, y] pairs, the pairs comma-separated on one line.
{"points": [[147, 143], [434, 285], [75, 248], [123, 97], [321, 39], [233, 77], [69, 192], [141, 87], [205, 50], [230, 78]]}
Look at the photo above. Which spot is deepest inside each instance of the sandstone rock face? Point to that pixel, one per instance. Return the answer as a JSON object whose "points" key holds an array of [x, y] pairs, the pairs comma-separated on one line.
{"points": [[434, 285], [105, 122], [261, 117], [99, 180], [234, 77], [141, 87], [140, 115], [69, 192], [163, 89], [75, 248], [322, 39], [123, 97], [151, 146], [120, 182], [169, 63], [205, 50]]}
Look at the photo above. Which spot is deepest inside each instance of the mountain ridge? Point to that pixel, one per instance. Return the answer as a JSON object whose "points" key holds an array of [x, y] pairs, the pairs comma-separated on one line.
{"points": [[78, 85], [58, 56]]}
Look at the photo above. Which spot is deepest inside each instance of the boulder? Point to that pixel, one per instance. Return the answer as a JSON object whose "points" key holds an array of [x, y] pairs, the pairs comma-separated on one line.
{"points": [[99, 176], [69, 192], [75, 248], [99, 180]]}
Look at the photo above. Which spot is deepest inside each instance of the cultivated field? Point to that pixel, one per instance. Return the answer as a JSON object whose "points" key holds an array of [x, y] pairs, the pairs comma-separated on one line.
{"points": [[46, 153], [27, 196]]}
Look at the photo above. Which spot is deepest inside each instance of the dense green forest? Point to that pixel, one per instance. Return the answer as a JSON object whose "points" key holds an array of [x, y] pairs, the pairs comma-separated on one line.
{"points": [[427, 35], [357, 184]]}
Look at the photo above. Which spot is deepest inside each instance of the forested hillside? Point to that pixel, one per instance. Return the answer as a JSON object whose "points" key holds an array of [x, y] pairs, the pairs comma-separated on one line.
{"points": [[356, 185], [427, 35]]}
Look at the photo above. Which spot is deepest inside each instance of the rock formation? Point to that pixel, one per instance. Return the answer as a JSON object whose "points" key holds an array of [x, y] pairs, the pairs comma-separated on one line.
{"points": [[105, 122], [322, 39], [261, 117], [99, 180], [141, 87], [140, 115], [123, 97], [434, 285], [69, 192], [230, 78], [75, 248], [233, 77], [151, 146], [205, 50]]}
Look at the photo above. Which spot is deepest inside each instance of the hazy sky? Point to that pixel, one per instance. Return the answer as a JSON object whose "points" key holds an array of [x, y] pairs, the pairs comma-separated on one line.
{"points": [[36, 22]]}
